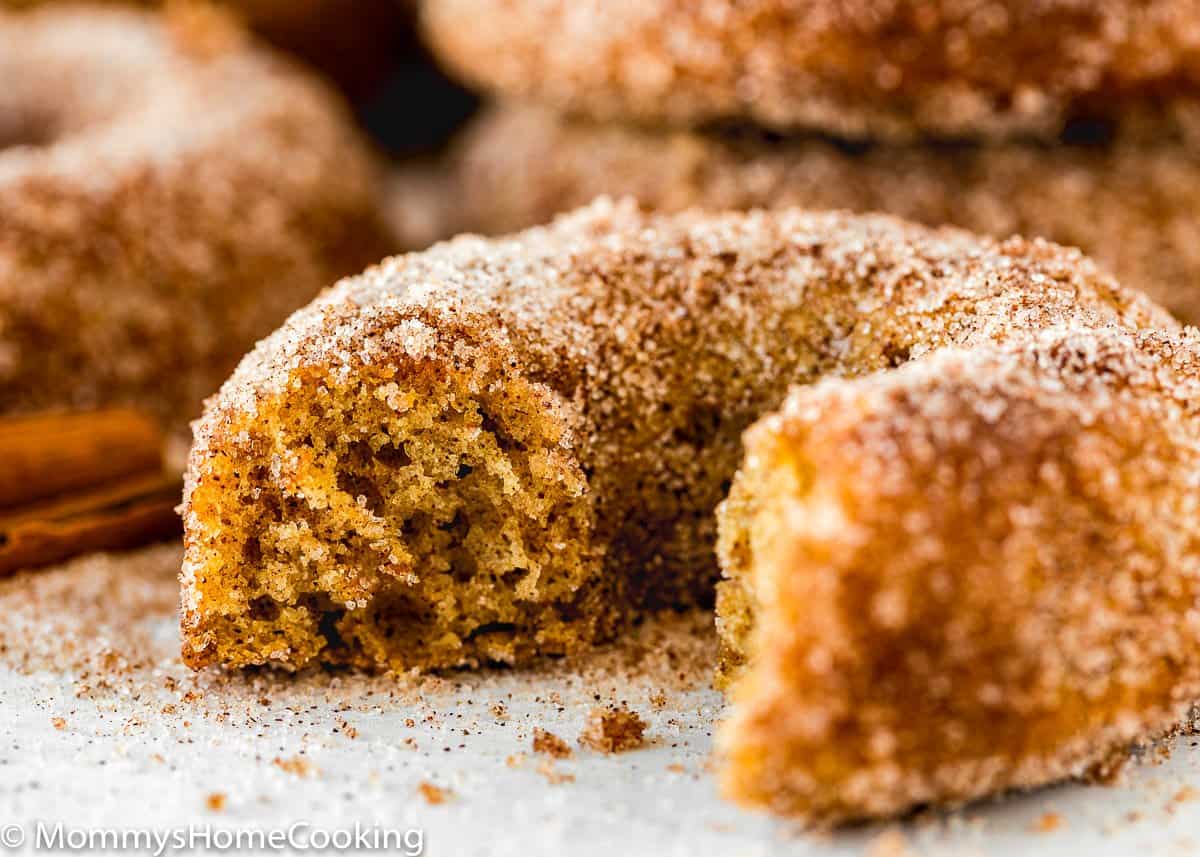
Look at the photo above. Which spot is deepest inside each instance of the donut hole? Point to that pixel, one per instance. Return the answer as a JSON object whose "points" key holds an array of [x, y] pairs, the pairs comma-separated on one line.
{"points": [[412, 524]]}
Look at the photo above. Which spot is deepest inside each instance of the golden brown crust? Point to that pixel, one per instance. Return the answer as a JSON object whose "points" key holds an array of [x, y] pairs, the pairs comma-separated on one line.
{"points": [[857, 69], [377, 469], [975, 573], [1130, 205], [138, 259]]}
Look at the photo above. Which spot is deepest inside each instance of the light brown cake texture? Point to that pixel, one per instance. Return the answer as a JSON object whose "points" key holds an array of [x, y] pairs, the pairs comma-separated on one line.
{"points": [[1130, 205], [495, 449], [170, 193], [858, 68], [974, 573]]}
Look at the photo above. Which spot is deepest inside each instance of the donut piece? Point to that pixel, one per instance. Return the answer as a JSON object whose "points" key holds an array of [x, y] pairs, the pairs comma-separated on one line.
{"points": [[1129, 204], [977, 572], [858, 69], [495, 449], [170, 195]]}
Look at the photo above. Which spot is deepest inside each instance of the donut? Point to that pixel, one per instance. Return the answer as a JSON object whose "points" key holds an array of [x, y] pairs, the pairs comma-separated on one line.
{"points": [[170, 195], [861, 68], [497, 449], [1129, 203], [976, 572]]}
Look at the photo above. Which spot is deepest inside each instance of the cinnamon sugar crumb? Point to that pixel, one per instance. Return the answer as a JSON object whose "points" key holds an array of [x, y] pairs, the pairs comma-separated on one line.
{"points": [[550, 744], [553, 776], [296, 765], [613, 730], [215, 802], [433, 794], [59, 723], [1049, 822], [890, 843]]}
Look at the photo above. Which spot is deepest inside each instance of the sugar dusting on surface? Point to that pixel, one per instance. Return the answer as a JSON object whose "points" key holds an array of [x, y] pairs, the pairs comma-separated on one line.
{"points": [[100, 712]]}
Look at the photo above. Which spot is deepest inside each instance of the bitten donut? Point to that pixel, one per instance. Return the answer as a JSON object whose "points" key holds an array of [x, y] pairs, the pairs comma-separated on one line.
{"points": [[499, 448], [861, 68], [976, 572], [170, 195], [1130, 204]]}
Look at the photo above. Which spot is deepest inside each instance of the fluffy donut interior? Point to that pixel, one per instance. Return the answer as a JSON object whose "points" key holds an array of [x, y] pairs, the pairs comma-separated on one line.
{"points": [[740, 536], [414, 525]]}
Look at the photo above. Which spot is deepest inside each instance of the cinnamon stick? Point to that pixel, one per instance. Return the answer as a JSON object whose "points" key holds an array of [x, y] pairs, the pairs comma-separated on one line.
{"points": [[47, 455], [74, 483]]}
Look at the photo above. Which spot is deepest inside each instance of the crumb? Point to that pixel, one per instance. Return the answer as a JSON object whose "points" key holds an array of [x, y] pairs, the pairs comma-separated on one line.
{"points": [[347, 729], [296, 765], [890, 843], [1049, 822], [168, 709], [658, 699], [409, 722], [613, 730], [516, 760], [550, 744], [553, 776], [411, 743], [434, 794], [215, 802], [59, 723], [499, 711]]}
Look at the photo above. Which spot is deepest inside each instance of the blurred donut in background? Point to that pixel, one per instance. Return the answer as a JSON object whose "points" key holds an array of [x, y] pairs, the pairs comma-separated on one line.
{"points": [[1129, 203], [171, 193], [901, 69]]}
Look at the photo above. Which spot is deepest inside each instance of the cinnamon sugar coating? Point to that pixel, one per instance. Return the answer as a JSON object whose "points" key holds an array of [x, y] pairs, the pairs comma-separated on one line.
{"points": [[977, 572], [170, 195], [1128, 203], [859, 68], [503, 447]]}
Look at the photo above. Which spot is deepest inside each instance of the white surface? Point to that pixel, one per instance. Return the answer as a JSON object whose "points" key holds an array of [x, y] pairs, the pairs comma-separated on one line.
{"points": [[94, 645]]}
